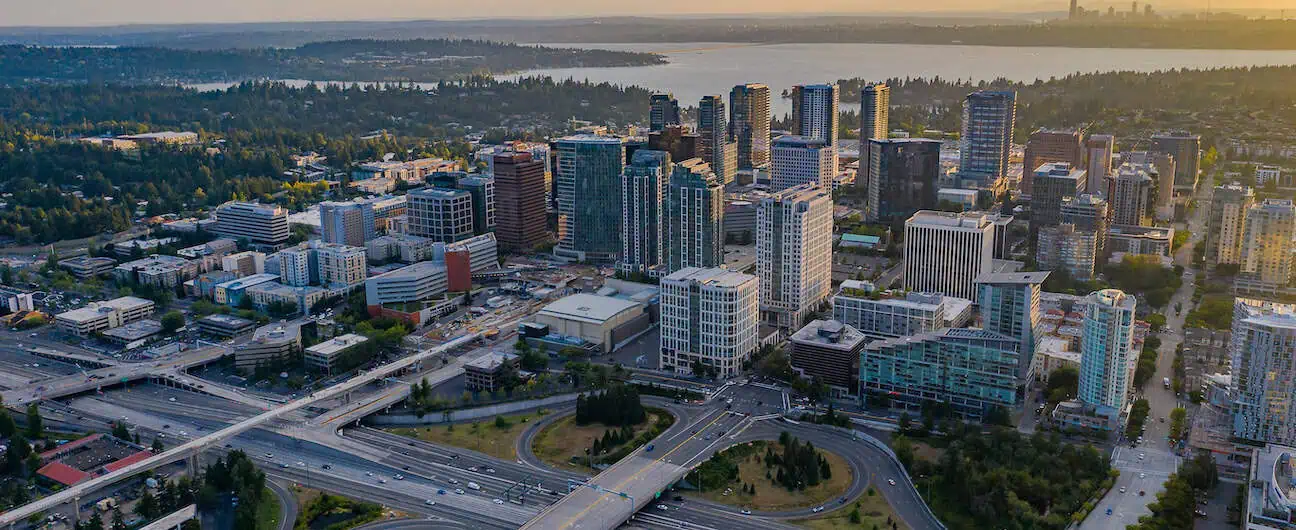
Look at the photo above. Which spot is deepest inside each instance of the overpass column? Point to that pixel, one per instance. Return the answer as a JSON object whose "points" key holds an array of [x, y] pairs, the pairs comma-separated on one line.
{"points": [[76, 509]]}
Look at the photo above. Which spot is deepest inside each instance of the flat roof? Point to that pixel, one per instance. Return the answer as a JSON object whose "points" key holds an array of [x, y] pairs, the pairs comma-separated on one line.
{"points": [[1013, 277], [95, 309], [135, 330], [589, 307], [337, 344], [417, 270], [829, 333], [226, 320], [490, 361], [712, 276], [248, 281]]}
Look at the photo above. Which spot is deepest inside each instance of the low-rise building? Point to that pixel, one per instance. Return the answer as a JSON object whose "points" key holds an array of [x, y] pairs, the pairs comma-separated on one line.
{"points": [[204, 285], [133, 334], [600, 320], [972, 370], [83, 267], [488, 372], [886, 317], [265, 294], [226, 326], [327, 355], [244, 263], [828, 351], [417, 282], [102, 316], [157, 270], [231, 292], [126, 249], [400, 247], [270, 343], [1140, 240]]}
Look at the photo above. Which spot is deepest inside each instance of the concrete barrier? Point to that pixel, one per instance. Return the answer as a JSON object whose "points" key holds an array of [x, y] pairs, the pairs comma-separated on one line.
{"points": [[488, 411]]}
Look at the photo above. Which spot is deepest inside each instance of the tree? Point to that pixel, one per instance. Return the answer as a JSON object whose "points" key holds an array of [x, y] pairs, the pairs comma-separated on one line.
{"points": [[121, 431], [157, 445], [172, 321], [1063, 384], [96, 522], [35, 425], [7, 426], [147, 508]]}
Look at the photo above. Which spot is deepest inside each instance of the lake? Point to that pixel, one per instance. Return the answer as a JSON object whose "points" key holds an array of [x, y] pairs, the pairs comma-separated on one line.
{"points": [[699, 69]]}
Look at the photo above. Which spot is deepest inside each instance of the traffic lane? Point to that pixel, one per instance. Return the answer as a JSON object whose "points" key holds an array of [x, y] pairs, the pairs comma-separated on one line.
{"points": [[753, 399]]}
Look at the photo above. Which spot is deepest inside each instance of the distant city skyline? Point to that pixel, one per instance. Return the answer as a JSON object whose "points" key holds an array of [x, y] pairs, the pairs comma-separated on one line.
{"points": [[94, 13]]}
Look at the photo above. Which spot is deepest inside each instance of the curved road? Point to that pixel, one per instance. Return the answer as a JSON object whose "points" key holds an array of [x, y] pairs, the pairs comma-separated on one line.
{"points": [[287, 504]]}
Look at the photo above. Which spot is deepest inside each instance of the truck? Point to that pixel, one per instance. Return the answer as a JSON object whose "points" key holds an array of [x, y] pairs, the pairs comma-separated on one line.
{"points": [[1166, 381], [107, 504]]}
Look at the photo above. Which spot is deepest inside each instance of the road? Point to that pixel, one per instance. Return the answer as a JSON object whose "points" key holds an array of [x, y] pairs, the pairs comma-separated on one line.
{"points": [[287, 504]]}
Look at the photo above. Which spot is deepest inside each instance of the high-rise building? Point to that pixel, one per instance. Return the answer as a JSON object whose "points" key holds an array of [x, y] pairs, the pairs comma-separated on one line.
{"points": [[1053, 181], [1100, 148], [520, 191], [1186, 150], [1161, 168], [970, 370], [713, 131], [815, 115], [946, 252], [711, 316], [589, 197], [1051, 145], [889, 318], [988, 120], [1066, 247], [1266, 256], [1131, 195], [694, 209], [797, 160], [663, 111], [875, 111], [331, 265], [482, 189], [1010, 305], [749, 124], [1107, 354], [347, 223], [828, 351], [1263, 359], [262, 225], [1227, 221], [1088, 213], [676, 140], [440, 214], [901, 177], [643, 187], [794, 253]]}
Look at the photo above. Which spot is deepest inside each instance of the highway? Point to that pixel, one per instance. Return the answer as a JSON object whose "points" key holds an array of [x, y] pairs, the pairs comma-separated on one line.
{"points": [[193, 447]]}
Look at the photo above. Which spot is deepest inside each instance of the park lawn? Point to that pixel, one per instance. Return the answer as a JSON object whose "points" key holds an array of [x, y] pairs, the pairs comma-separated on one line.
{"points": [[483, 436], [562, 439], [874, 513], [267, 516], [771, 497]]}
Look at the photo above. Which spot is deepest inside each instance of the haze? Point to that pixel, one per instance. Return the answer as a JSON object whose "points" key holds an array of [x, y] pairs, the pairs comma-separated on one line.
{"points": [[98, 12]]}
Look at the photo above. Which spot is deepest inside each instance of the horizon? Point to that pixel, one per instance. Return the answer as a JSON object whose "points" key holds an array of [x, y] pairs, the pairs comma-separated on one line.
{"points": [[125, 13]]}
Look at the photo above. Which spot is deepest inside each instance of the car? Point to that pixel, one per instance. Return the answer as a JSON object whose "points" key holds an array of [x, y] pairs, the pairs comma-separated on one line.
{"points": [[746, 511], [891, 481], [649, 448], [283, 464], [398, 476], [497, 501], [382, 481], [173, 400], [430, 502], [327, 466], [490, 470], [368, 473], [269, 455], [441, 491], [227, 446], [1142, 456], [473, 486], [454, 481], [1200, 513], [1109, 511], [166, 426], [472, 468], [459, 491], [1142, 493], [1122, 490], [662, 507], [1142, 475], [404, 468], [301, 464], [818, 509]]}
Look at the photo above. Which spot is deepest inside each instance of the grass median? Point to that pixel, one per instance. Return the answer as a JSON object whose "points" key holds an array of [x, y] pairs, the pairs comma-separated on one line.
{"points": [[496, 437], [747, 476], [563, 443], [869, 511]]}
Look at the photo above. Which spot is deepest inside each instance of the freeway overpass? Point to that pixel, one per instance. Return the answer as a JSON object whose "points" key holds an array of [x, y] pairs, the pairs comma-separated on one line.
{"points": [[193, 447], [110, 375]]}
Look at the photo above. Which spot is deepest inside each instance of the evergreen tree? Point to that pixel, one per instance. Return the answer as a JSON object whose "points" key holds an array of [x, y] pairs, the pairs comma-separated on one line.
{"points": [[35, 425]]}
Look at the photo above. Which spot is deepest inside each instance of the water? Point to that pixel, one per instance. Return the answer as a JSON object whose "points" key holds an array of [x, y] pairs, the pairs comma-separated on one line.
{"points": [[699, 69]]}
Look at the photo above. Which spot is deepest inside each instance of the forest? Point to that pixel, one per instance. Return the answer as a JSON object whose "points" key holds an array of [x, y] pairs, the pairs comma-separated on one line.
{"points": [[350, 60]]}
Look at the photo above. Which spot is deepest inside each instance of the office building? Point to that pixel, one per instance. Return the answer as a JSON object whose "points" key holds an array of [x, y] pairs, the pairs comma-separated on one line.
{"points": [[1131, 195], [888, 318], [946, 252], [1161, 168], [971, 370], [676, 140], [900, 178], [417, 282], [794, 253], [490, 372], [1266, 256], [711, 316], [1053, 181], [261, 225], [749, 124], [1263, 362], [1067, 248], [694, 217], [1107, 353], [244, 263], [828, 351], [797, 160], [225, 326], [715, 147], [231, 292], [328, 355], [102, 316], [1010, 306], [1125, 240], [296, 300], [346, 223], [1227, 221], [157, 270], [988, 120], [875, 112], [318, 263], [1047, 146], [83, 267], [643, 188], [815, 115], [1088, 213], [1186, 150], [1099, 149], [270, 344], [440, 214], [520, 189], [589, 197], [663, 111], [482, 190], [471, 256]]}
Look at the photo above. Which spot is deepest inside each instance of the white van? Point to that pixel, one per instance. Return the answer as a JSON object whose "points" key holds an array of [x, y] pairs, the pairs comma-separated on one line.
{"points": [[473, 486]]}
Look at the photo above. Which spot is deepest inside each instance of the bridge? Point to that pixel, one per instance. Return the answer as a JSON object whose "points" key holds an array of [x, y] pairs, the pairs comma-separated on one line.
{"points": [[68, 385], [190, 449]]}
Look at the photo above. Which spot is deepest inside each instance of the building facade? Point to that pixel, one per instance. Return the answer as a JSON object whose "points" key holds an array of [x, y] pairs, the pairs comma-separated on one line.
{"points": [[663, 111], [797, 160], [440, 214], [749, 124], [901, 177], [1099, 150], [694, 217], [815, 115], [1226, 224], [260, 224], [973, 370], [945, 252], [794, 253], [643, 188], [1131, 195], [520, 190], [1010, 306], [1266, 257], [1185, 147], [1052, 182], [711, 316], [1066, 247], [875, 111], [589, 197], [1263, 362], [713, 131], [1107, 353], [988, 120], [1049, 146], [346, 223], [828, 351]]}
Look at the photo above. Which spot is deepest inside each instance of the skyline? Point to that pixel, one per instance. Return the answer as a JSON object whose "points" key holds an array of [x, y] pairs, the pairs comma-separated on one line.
{"points": [[87, 13]]}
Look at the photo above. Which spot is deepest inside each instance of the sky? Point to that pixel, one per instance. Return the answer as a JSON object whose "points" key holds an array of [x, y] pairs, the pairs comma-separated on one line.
{"points": [[110, 12]]}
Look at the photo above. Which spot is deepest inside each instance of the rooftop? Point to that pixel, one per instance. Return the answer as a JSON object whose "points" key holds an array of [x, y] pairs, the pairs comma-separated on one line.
{"points": [[337, 344], [714, 277], [591, 138], [829, 333], [95, 309], [1013, 277], [439, 193], [248, 281], [490, 361], [135, 330], [412, 272], [226, 320], [799, 141], [936, 218], [275, 333], [589, 307]]}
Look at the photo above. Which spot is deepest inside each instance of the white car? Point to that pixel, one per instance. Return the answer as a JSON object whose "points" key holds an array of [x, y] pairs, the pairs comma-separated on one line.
{"points": [[430, 502], [454, 481], [662, 507], [398, 476], [497, 501], [891, 481], [1122, 490], [459, 491], [746, 511], [817, 509], [368, 473], [382, 481], [1142, 475]]}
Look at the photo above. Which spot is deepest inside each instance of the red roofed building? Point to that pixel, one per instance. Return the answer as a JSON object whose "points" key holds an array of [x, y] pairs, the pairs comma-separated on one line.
{"points": [[132, 459], [62, 473], [69, 447]]}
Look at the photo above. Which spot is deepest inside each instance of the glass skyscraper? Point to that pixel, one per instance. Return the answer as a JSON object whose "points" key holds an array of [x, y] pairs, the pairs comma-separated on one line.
{"points": [[694, 217], [749, 124], [589, 197], [643, 187], [988, 119], [1107, 354]]}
